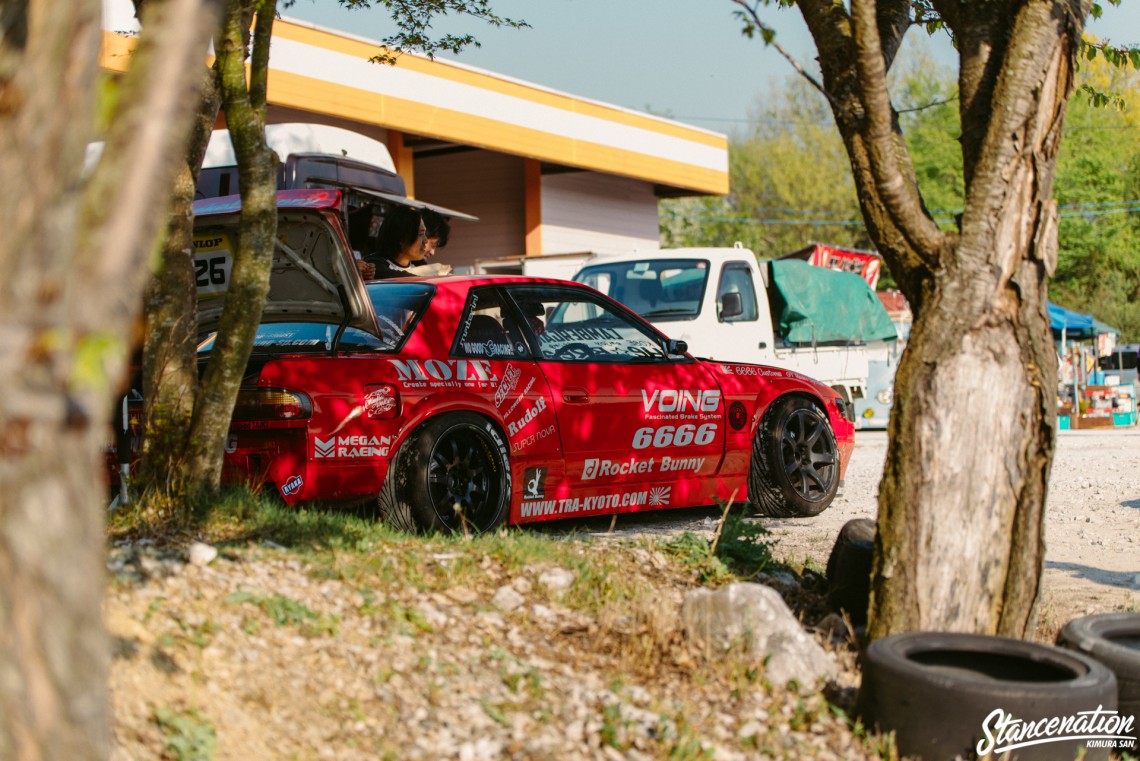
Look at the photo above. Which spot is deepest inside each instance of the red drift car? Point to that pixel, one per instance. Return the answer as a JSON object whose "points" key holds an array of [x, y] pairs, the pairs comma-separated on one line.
{"points": [[463, 402]]}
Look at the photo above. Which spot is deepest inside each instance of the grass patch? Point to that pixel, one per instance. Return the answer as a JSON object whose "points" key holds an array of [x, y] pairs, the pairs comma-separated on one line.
{"points": [[287, 612], [189, 735], [738, 550]]}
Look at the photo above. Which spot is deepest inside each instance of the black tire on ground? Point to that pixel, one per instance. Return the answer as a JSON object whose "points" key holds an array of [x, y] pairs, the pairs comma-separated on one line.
{"points": [[938, 691], [795, 461], [1114, 640], [455, 459], [849, 570]]}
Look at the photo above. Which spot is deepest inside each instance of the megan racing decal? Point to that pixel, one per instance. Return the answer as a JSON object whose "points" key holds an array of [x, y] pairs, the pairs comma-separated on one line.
{"points": [[658, 496], [351, 446], [597, 468], [683, 435], [292, 485]]}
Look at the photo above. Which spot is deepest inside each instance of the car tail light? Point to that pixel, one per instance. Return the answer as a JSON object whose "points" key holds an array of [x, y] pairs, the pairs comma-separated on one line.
{"points": [[271, 404], [381, 402]]}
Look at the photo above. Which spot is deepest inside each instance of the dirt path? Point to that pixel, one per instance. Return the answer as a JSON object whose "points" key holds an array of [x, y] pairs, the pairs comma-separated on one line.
{"points": [[1092, 521]]}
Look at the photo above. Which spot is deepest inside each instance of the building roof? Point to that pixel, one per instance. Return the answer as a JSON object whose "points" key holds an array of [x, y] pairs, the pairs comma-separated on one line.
{"points": [[323, 71]]}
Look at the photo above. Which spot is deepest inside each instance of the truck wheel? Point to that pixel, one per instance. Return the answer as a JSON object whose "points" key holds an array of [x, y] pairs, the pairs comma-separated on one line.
{"points": [[452, 475], [795, 461]]}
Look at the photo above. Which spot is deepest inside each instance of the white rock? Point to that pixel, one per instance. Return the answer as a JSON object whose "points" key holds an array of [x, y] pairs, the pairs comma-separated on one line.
{"points": [[556, 580], [756, 617], [202, 554], [507, 599]]}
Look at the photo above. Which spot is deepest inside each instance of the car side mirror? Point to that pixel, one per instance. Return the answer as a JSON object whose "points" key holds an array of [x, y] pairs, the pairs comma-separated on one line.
{"points": [[675, 346], [731, 305]]}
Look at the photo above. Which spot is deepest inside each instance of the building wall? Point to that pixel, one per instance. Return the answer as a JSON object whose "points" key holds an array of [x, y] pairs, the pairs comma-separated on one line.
{"points": [[597, 213], [482, 183]]}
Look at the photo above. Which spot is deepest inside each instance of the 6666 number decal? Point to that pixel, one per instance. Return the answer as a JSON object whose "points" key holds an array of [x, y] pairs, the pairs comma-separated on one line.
{"points": [[674, 436]]}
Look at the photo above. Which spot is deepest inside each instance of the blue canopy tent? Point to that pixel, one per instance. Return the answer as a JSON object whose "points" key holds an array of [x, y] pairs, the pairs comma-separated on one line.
{"points": [[1069, 324]]}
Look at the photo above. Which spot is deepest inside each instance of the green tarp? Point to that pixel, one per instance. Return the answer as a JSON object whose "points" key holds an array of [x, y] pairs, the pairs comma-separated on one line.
{"points": [[825, 306]]}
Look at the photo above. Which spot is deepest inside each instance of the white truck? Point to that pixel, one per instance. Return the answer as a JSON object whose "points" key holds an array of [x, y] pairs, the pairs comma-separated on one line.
{"points": [[725, 306]]}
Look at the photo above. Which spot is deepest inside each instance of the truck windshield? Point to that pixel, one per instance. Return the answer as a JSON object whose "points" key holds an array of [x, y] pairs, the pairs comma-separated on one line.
{"points": [[657, 289]]}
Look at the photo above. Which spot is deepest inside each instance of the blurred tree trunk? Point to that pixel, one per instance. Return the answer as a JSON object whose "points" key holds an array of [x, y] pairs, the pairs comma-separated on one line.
{"points": [[75, 261], [244, 107], [170, 361], [960, 543]]}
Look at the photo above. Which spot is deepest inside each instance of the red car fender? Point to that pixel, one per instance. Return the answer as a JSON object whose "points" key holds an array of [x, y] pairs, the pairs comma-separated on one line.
{"points": [[739, 384], [418, 411]]}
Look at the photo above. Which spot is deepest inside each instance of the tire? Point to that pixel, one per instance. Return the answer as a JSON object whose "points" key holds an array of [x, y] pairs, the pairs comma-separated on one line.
{"points": [[795, 461], [458, 458], [849, 570], [1114, 640], [936, 691]]}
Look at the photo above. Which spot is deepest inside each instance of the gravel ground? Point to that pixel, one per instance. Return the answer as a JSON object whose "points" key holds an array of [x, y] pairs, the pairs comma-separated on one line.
{"points": [[1092, 534], [265, 654]]}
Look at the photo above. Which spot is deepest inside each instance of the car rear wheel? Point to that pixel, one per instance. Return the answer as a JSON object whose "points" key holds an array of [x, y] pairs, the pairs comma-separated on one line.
{"points": [[795, 461], [452, 474]]}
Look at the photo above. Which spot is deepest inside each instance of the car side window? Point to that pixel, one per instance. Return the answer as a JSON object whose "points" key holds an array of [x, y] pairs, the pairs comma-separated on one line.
{"points": [[487, 330], [736, 295], [574, 325]]}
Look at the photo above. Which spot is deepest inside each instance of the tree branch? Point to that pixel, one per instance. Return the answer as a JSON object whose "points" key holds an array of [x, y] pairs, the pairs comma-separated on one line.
{"points": [[893, 22], [752, 19], [898, 193], [259, 60]]}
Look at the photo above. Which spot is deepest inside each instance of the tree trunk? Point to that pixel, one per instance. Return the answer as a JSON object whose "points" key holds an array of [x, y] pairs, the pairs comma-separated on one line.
{"points": [[961, 506], [170, 357], [74, 259], [249, 283]]}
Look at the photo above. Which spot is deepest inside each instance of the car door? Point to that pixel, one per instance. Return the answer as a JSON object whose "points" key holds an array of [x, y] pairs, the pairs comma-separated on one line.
{"points": [[627, 412]]}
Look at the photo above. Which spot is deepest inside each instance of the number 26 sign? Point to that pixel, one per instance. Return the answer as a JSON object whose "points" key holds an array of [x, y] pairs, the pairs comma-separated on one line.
{"points": [[212, 264]]}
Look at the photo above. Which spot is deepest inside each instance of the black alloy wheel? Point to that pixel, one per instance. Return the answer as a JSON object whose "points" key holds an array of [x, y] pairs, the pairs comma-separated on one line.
{"points": [[451, 475], [795, 461]]}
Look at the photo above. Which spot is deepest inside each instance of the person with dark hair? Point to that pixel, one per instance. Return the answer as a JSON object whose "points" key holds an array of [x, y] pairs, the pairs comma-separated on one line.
{"points": [[407, 238], [438, 230], [399, 244]]}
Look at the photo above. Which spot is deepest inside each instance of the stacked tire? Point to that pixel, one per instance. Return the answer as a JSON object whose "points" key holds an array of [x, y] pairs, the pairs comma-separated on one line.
{"points": [[849, 570], [1114, 640], [945, 695]]}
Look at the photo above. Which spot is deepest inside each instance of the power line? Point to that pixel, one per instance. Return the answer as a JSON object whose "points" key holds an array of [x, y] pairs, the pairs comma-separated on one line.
{"points": [[1070, 211]]}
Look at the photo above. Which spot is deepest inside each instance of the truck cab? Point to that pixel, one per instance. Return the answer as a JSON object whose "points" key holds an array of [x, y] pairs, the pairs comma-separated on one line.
{"points": [[723, 303]]}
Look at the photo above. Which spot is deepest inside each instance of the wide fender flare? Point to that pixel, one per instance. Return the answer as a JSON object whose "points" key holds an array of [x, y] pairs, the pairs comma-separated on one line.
{"points": [[442, 403]]}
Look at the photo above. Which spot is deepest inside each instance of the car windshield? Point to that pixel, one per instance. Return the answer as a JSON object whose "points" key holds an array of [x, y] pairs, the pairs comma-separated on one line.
{"points": [[657, 289], [397, 305]]}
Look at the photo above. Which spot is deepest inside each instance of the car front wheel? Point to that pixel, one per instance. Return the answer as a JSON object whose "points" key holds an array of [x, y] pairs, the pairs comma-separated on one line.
{"points": [[452, 475], [795, 461]]}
